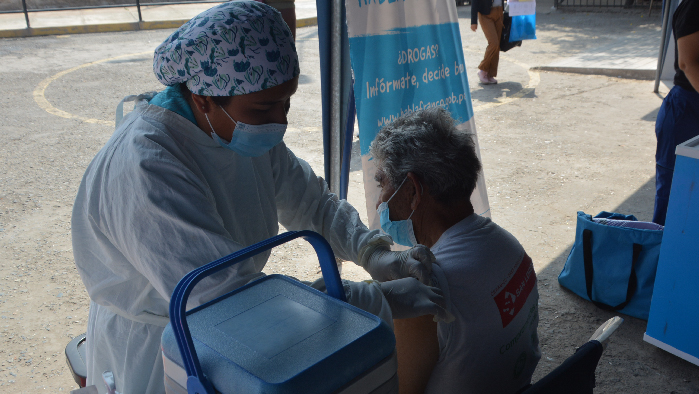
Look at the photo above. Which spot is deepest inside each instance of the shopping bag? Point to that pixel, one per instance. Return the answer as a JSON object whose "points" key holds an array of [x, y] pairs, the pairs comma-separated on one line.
{"points": [[613, 266], [505, 44], [523, 28]]}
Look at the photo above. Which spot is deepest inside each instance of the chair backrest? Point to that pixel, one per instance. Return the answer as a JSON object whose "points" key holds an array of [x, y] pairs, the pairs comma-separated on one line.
{"points": [[577, 373], [575, 376], [75, 357]]}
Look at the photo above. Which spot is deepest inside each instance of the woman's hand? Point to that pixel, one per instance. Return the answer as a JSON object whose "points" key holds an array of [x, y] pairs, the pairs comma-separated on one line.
{"points": [[409, 298], [474, 27]]}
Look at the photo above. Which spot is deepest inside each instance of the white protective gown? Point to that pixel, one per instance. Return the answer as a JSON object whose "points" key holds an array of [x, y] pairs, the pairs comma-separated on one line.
{"points": [[162, 198]]}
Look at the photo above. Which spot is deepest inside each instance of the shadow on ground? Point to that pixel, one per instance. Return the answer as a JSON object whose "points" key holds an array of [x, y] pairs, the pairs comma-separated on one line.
{"points": [[564, 314], [572, 31], [493, 93], [651, 116]]}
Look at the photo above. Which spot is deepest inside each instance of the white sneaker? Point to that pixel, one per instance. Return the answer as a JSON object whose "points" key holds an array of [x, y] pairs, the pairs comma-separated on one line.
{"points": [[483, 76], [492, 80]]}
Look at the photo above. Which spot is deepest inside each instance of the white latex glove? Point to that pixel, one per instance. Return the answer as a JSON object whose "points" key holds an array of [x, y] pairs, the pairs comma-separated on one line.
{"points": [[385, 265], [409, 298], [367, 295]]}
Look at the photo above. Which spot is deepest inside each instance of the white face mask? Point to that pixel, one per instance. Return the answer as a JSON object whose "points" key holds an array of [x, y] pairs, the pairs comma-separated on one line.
{"points": [[251, 140]]}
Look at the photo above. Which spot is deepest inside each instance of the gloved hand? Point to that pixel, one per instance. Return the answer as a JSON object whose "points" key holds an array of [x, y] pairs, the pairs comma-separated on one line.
{"points": [[409, 298], [385, 265]]}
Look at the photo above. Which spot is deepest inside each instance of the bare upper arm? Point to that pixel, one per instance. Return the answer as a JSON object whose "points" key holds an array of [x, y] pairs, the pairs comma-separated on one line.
{"points": [[688, 51], [418, 352]]}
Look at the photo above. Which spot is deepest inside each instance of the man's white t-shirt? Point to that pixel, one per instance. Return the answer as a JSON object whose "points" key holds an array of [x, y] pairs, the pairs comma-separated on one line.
{"points": [[490, 286]]}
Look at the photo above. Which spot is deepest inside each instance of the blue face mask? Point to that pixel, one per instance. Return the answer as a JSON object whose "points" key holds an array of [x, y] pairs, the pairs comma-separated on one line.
{"points": [[251, 140], [402, 230]]}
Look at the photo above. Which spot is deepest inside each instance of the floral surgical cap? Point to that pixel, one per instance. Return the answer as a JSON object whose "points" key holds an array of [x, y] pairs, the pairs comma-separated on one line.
{"points": [[234, 48]]}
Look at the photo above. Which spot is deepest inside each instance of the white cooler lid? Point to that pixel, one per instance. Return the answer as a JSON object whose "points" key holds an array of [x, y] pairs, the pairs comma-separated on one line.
{"points": [[689, 148]]}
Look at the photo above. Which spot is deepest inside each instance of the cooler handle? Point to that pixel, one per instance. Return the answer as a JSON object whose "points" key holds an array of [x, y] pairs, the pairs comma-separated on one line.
{"points": [[196, 382]]}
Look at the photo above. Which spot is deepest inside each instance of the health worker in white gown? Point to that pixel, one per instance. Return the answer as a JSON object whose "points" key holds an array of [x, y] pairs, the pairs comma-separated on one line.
{"points": [[195, 173]]}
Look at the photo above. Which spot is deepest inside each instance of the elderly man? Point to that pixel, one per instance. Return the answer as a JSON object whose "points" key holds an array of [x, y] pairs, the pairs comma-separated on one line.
{"points": [[427, 170]]}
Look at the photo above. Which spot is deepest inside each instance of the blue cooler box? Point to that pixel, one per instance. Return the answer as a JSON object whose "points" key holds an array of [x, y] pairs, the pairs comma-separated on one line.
{"points": [[673, 323], [276, 335]]}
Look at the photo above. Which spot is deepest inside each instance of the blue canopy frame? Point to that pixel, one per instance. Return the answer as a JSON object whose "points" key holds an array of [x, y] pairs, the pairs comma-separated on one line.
{"points": [[338, 107], [669, 7]]}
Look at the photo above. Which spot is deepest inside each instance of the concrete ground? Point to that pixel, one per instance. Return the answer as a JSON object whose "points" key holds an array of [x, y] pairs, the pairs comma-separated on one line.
{"points": [[552, 144]]}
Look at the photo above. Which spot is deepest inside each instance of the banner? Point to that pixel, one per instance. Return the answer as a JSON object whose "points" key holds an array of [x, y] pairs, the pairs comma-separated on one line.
{"points": [[407, 55]]}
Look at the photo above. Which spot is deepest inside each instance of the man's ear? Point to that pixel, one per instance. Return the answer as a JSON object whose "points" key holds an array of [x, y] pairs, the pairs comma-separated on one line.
{"points": [[203, 104], [417, 190]]}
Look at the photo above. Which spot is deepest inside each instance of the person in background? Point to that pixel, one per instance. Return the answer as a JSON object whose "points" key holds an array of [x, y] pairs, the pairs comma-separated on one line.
{"points": [[427, 171], [287, 8], [490, 14], [200, 171], [678, 117]]}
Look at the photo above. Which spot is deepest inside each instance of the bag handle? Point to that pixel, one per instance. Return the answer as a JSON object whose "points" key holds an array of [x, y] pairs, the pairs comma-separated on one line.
{"points": [[196, 382], [587, 258]]}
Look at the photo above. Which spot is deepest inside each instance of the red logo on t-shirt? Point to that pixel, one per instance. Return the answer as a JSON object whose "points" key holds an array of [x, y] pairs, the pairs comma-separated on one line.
{"points": [[512, 297]]}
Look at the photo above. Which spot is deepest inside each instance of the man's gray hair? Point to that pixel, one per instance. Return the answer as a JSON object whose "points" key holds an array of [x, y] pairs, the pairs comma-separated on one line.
{"points": [[428, 144]]}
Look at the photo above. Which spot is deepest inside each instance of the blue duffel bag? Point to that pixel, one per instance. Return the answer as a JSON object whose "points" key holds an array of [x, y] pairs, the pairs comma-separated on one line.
{"points": [[612, 263]]}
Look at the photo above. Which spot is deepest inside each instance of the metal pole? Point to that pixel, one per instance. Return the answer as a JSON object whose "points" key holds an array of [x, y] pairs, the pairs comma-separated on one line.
{"points": [[138, 6], [347, 145], [661, 55], [336, 99], [26, 14]]}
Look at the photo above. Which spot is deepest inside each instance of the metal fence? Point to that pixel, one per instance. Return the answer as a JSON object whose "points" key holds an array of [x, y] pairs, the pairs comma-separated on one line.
{"points": [[26, 10], [650, 4]]}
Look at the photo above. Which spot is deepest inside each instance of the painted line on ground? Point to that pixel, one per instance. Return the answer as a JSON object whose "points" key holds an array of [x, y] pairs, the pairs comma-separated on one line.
{"points": [[85, 29], [113, 27], [305, 22], [43, 103]]}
